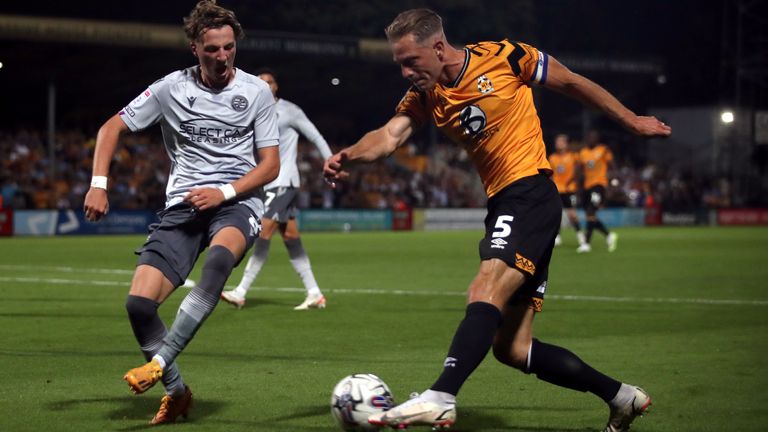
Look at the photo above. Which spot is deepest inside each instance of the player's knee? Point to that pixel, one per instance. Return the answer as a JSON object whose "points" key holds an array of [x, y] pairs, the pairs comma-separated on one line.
{"points": [[140, 307], [219, 259], [485, 284], [268, 228], [485, 291], [290, 236], [492, 286]]}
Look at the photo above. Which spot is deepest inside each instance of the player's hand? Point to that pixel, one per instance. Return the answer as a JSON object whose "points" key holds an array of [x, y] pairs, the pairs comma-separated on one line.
{"points": [[96, 204], [333, 169], [205, 198], [649, 126]]}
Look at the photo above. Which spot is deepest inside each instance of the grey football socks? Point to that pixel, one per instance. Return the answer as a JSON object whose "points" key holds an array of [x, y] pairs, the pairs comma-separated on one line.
{"points": [[198, 304], [149, 331], [253, 267], [300, 262]]}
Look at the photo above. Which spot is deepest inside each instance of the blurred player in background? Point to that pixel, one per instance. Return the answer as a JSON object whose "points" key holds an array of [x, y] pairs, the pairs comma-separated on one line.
{"points": [[215, 119], [281, 196], [480, 97], [565, 163], [596, 160]]}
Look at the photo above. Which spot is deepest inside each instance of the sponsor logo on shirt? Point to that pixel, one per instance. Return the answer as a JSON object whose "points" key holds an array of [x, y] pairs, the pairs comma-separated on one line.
{"points": [[211, 131], [472, 119]]}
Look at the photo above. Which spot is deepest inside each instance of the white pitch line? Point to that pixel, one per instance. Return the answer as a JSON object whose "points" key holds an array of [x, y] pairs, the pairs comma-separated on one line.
{"points": [[66, 269], [59, 281], [606, 299]]}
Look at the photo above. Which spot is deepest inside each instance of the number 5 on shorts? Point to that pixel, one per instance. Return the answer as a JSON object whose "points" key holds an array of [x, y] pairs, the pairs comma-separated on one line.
{"points": [[502, 223]]}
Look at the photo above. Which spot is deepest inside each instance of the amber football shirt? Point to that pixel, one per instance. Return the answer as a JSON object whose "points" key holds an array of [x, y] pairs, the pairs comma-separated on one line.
{"points": [[563, 171], [489, 110], [595, 161]]}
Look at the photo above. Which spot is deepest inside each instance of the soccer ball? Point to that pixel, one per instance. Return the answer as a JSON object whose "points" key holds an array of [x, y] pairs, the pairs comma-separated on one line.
{"points": [[358, 396]]}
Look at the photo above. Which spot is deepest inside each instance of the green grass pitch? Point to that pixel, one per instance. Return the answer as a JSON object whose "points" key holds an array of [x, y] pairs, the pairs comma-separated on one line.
{"points": [[682, 312]]}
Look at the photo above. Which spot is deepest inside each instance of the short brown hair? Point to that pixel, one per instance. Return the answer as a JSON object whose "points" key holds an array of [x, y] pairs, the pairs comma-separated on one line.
{"points": [[422, 23], [208, 15]]}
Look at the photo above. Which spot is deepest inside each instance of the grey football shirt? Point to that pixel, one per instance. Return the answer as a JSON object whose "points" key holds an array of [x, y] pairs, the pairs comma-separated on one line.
{"points": [[211, 136], [292, 122]]}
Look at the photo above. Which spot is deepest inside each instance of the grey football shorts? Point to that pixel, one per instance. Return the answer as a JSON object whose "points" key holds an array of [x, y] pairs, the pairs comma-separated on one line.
{"points": [[175, 243], [281, 203]]}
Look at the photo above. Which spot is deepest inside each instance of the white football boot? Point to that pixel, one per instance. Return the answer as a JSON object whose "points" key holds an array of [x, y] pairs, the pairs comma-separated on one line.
{"points": [[316, 301], [234, 298], [622, 416], [584, 248], [417, 411], [611, 241], [558, 240], [581, 237]]}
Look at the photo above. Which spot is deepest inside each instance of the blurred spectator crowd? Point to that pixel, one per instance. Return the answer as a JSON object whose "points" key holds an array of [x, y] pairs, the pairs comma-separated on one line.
{"points": [[439, 176]]}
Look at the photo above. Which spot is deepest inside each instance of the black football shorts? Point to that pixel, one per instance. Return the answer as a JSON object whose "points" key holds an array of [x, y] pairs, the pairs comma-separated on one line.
{"points": [[594, 197], [520, 229]]}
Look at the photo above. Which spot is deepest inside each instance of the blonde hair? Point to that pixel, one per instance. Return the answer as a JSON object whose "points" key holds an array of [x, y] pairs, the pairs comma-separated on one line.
{"points": [[422, 23], [208, 15]]}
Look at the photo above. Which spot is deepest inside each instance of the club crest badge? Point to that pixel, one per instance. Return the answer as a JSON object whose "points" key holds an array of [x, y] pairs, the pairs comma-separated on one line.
{"points": [[239, 103], [484, 85]]}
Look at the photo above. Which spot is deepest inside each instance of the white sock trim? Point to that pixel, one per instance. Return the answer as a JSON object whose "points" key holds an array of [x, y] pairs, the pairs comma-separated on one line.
{"points": [[160, 360], [438, 397], [528, 358], [623, 396]]}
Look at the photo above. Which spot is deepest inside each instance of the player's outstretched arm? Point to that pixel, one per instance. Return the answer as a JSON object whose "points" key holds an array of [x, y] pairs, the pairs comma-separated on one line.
{"points": [[310, 132], [266, 171], [96, 203], [561, 79], [373, 146]]}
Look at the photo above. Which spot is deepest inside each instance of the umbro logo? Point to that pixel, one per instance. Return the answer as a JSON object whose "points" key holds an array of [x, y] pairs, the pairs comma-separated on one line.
{"points": [[498, 243], [191, 100], [450, 362]]}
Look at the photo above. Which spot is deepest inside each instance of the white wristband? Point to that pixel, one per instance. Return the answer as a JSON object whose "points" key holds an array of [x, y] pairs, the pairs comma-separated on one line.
{"points": [[99, 182], [228, 190]]}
